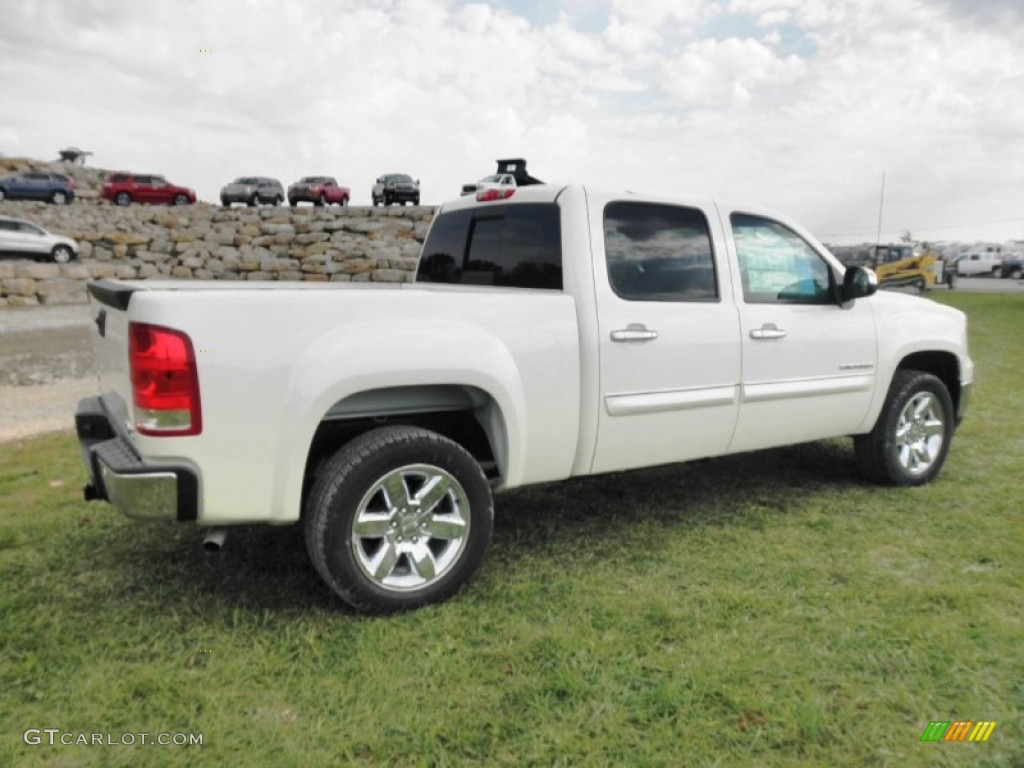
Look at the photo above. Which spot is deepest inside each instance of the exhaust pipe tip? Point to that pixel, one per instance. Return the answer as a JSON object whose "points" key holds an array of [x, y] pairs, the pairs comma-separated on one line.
{"points": [[213, 542]]}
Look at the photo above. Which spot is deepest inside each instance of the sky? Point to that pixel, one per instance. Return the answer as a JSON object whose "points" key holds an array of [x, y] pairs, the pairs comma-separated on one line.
{"points": [[798, 105]]}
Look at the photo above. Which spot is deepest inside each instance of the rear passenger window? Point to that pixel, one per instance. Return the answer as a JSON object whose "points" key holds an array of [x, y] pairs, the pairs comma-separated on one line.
{"points": [[517, 246], [658, 253]]}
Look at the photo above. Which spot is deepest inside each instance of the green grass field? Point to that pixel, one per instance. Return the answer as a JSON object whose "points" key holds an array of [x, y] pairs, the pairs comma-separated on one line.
{"points": [[765, 609]]}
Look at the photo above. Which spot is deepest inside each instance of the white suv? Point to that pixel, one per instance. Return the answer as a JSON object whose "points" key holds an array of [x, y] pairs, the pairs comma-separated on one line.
{"points": [[24, 237]]}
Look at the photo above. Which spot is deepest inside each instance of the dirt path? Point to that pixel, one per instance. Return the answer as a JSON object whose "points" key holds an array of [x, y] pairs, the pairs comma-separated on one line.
{"points": [[45, 368]]}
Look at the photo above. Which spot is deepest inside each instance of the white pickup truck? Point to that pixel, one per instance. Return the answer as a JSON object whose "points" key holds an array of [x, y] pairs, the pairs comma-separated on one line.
{"points": [[554, 332]]}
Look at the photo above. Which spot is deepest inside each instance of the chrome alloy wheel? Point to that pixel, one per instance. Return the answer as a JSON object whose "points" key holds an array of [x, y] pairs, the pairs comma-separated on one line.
{"points": [[410, 527], [920, 433]]}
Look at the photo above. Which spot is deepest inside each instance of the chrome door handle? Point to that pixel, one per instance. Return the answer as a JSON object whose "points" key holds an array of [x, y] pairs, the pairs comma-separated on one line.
{"points": [[767, 331], [634, 332]]}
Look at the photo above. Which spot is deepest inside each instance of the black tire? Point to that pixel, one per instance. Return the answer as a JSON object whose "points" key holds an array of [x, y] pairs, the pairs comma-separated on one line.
{"points": [[385, 200], [1015, 273], [911, 438], [123, 198], [277, 201], [319, 202], [351, 488], [253, 201], [59, 198], [951, 280], [416, 200], [344, 202], [225, 203], [180, 200], [61, 254], [293, 203]]}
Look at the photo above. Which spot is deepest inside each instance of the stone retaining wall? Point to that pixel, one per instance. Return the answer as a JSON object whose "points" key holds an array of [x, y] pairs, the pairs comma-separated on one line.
{"points": [[208, 243]]}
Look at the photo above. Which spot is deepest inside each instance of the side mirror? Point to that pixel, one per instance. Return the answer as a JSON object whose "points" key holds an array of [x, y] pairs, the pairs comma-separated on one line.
{"points": [[858, 282]]}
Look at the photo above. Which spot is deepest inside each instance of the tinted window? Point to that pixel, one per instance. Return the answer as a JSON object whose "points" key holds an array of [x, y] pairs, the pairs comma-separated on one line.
{"points": [[119, 177], [658, 253], [10, 226], [518, 246], [777, 265]]}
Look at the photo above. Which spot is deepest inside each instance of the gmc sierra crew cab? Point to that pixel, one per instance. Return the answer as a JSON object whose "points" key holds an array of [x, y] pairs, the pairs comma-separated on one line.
{"points": [[552, 332]]}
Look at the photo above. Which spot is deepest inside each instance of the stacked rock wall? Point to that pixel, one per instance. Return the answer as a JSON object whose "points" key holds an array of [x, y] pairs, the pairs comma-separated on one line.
{"points": [[209, 243]]}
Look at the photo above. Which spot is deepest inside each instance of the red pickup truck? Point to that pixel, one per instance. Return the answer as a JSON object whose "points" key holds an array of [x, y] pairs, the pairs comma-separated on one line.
{"points": [[318, 190]]}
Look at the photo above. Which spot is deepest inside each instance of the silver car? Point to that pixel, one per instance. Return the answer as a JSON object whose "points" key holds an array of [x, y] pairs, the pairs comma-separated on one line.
{"points": [[24, 237], [252, 190]]}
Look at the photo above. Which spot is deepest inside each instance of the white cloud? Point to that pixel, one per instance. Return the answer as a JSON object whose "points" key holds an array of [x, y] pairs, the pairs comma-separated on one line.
{"points": [[661, 96], [726, 71]]}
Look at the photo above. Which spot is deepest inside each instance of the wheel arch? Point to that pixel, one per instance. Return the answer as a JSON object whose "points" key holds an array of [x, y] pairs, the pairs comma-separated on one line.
{"points": [[943, 365], [464, 413]]}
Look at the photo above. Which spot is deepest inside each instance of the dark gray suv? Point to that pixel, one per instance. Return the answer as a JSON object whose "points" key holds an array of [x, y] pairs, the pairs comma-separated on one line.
{"points": [[37, 185], [396, 188], [252, 190]]}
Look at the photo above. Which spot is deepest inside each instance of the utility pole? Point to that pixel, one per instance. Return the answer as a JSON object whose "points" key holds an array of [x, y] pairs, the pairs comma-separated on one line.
{"points": [[881, 204]]}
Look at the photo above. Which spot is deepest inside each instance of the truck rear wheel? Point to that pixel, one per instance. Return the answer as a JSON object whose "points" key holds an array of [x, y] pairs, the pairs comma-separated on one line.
{"points": [[399, 518], [910, 440]]}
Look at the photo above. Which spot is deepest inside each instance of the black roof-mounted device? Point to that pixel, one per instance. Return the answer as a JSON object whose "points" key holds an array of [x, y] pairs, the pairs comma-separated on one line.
{"points": [[517, 167]]}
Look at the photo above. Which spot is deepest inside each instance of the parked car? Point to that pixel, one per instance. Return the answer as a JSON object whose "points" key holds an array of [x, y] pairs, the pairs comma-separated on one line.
{"points": [[318, 190], [980, 263], [37, 185], [128, 188], [396, 188], [23, 237], [252, 190], [503, 183], [1012, 266]]}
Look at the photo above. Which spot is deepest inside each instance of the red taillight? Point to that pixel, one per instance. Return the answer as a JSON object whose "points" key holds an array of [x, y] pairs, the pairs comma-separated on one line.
{"points": [[486, 195], [165, 384]]}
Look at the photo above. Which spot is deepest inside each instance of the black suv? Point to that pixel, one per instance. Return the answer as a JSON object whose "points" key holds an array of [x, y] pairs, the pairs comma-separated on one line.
{"points": [[396, 188], [37, 185]]}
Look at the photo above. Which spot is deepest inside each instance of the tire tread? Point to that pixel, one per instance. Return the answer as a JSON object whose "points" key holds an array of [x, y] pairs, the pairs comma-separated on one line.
{"points": [[874, 451], [333, 477]]}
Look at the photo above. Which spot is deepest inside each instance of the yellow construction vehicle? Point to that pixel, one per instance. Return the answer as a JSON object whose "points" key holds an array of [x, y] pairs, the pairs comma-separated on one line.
{"points": [[911, 266]]}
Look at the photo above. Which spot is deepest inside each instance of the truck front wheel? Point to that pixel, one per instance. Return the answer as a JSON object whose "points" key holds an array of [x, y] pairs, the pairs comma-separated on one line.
{"points": [[910, 440], [398, 518]]}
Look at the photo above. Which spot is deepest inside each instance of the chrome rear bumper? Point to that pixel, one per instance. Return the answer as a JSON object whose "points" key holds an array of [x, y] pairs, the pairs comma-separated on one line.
{"points": [[117, 474]]}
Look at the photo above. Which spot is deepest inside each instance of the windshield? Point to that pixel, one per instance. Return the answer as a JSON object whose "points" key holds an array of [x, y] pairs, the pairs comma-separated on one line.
{"points": [[247, 180]]}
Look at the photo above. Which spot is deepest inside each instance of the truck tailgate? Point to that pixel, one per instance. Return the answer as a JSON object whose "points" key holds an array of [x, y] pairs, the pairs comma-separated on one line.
{"points": [[110, 349]]}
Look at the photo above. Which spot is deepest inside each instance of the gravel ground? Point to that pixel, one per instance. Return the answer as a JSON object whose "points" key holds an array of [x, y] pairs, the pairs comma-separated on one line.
{"points": [[45, 368]]}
